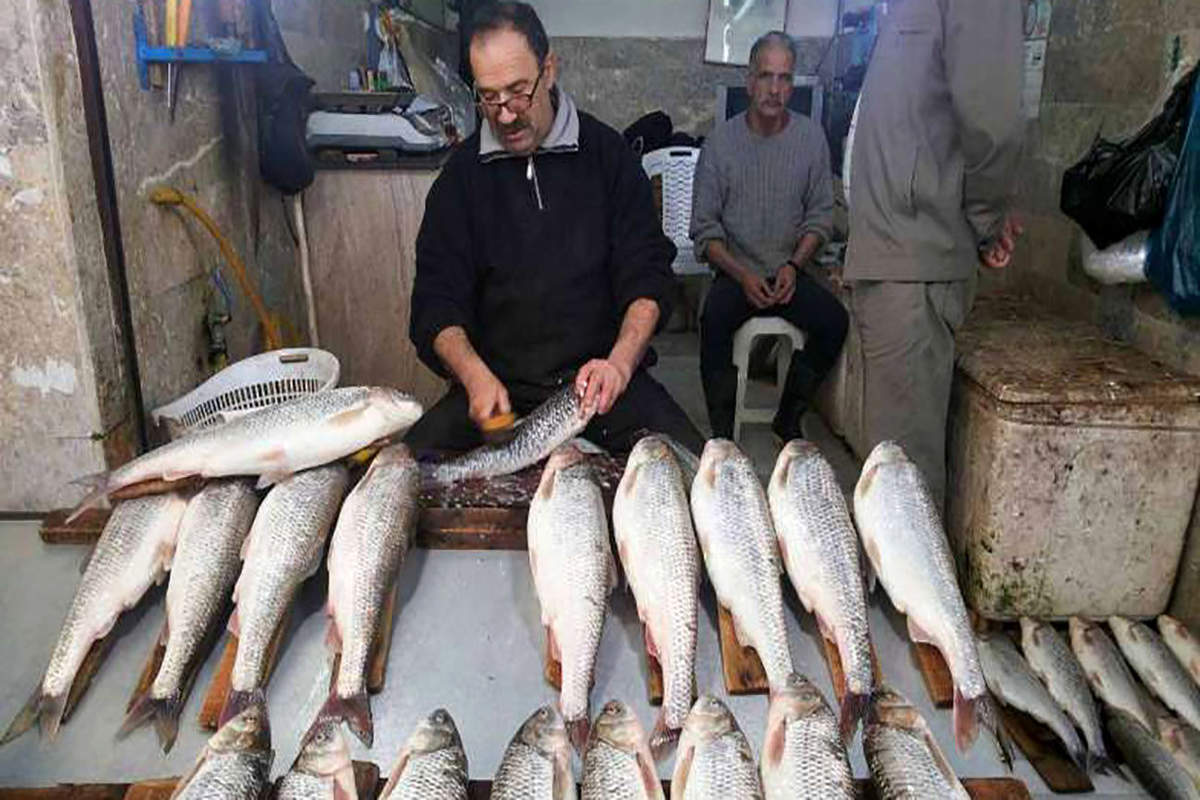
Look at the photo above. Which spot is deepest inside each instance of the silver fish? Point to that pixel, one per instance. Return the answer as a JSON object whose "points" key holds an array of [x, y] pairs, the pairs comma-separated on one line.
{"points": [[537, 763], [741, 552], [372, 536], [714, 761], [903, 536], [820, 551], [1153, 765], [1013, 682], [804, 756], [431, 765], [1158, 668], [1107, 672], [323, 770], [1183, 743], [273, 442], [658, 549], [573, 573], [905, 760], [1183, 644], [282, 550], [1051, 659], [207, 561], [133, 553], [236, 762], [617, 764], [551, 424]]}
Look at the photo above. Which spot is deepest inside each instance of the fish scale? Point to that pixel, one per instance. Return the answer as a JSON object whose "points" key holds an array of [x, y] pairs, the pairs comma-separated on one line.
{"points": [[617, 764], [1107, 672], [741, 552], [536, 761], [1150, 761], [714, 761], [804, 757], [905, 760], [432, 764], [820, 551], [1158, 668]]}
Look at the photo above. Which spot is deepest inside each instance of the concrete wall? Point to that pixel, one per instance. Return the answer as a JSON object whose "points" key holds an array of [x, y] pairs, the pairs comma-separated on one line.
{"points": [[325, 38]]}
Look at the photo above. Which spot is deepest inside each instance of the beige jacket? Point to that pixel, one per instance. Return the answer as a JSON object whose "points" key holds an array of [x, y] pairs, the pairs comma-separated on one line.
{"points": [[938, 139]]}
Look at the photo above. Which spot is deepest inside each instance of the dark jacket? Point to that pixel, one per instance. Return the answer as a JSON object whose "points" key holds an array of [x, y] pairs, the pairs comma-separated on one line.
{"points": [[938, 139], [537, 258]]}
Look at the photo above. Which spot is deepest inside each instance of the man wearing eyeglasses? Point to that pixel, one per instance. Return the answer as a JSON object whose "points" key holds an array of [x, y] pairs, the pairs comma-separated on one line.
{"points": [[540, 260]]}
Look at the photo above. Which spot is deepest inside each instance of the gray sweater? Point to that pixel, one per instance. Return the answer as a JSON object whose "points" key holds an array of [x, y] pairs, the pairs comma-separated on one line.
{"points": [[759, 194]]}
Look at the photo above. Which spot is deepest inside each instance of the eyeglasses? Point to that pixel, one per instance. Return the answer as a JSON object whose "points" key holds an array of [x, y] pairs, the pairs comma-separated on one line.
{"points": [[517, 103]]}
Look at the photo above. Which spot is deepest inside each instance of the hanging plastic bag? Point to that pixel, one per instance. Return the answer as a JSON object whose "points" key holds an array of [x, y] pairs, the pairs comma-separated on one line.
{"points": [[1123, 262], [1122, 187], [1173, 264]]}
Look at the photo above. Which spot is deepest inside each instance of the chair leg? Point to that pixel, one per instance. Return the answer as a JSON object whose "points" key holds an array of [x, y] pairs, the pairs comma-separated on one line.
{"points": [[739, 406]]}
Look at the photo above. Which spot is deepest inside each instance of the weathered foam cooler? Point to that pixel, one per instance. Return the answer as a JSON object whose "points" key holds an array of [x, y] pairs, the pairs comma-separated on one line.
{"points": [[1074, 463]]}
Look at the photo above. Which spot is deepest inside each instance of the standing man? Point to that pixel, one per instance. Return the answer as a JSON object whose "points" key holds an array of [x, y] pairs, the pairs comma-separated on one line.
{"points": [[935, 156], [540, 260], [762, 208]]}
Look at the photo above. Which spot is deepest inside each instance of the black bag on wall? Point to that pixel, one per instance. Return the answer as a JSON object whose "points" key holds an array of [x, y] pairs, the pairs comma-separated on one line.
{"points": [[284, 102]]}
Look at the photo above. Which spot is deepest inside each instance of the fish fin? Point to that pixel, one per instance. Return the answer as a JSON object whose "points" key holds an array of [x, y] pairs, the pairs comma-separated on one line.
{"points": [[578, 731], [98, 488], [50, 714], [271, 477], [774, 741], [333, 639], [826, 630], [564, 781], [651, 647], [552, 645], [614, 574], [662, 737], [966, 722], [344, 787], [163, 711], [1101, 764], [26, 718], [869, 576], [235, 623], [872, 564], [394, 776], [354, 710], [988, 716], [648, 773], [238, 701], [854, 708], [348, 416], [918, 634], [683, 770]]}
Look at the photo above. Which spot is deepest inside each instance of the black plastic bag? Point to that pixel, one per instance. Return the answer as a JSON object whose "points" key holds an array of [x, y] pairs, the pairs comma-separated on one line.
{"points": [[1120, 188], [284, 94], [1173, 263]]}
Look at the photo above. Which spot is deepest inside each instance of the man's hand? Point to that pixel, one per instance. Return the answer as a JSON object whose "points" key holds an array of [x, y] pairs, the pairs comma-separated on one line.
{"points": [[785, 285], [757, 290], [998, 254], [486, 396], [599, 383]]}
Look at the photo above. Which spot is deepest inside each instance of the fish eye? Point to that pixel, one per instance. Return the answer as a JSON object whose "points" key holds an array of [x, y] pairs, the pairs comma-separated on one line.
{"points": [[440, 716], [613, 707]]}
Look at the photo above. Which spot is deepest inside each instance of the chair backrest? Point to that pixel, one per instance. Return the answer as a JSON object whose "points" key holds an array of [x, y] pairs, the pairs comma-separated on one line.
{"points": [[676, 167]]}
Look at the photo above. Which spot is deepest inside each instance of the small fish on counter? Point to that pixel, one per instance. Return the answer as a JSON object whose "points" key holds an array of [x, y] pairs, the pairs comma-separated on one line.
{"points": [[323, 770], [235, 764], [905, 760], [1183, 644], [820, 552], [714, 760], [657, 546], [1153, 765], [804, 755], [133, 553], [573, 573], [1108, 674], [741, 553], [1158, 668], [373, 533], [537, 763], [432, 764], [1183, 743], [617, 764]]}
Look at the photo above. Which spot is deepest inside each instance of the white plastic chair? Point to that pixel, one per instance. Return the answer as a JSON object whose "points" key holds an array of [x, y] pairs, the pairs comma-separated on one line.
{"points": [[743, 340], [677, 167]]}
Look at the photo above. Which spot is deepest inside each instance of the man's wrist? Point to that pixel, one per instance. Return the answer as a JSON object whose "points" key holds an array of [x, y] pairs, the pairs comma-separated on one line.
{"points": [[794, 264]]}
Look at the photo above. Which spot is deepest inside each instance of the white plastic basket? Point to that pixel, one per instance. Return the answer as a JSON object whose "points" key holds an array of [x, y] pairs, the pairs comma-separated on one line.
{"points": [[252, 383]]}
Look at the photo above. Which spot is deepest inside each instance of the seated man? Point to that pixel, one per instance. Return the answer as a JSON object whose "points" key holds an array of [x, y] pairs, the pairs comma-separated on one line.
{"points": [[540, 258], [762, 208]]}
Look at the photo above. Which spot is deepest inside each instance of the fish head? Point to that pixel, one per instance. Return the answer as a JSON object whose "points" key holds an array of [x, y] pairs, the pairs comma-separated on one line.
{"points": [[618, 725], [721, 457], [1123, 628], [250, 730], [709, 719], [648, 450], [795, 456], [886, 452], [1081, 630], [889, 707], [1030, 629], [325, 751], [797, 697], [564, 456], [436, 732], [545, 732], [400, 410], [1173, 627]]}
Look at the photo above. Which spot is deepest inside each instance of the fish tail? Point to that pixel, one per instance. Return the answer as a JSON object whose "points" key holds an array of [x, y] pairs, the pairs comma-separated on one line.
{"points": [[238, 701], [98, 488], [578, 731], [662, 737], [163, 711], [854, 708], [354, 710], [1101, 764], [987, 715], [26, 718], [50, 714], [966, 721]]}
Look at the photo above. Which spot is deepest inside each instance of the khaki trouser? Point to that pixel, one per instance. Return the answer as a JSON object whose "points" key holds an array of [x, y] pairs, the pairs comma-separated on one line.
{"points": [[907, 332]]}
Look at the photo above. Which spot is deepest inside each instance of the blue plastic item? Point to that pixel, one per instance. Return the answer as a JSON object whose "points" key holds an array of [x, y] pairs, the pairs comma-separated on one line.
{"points": [[1173, 263], [148, 54]]}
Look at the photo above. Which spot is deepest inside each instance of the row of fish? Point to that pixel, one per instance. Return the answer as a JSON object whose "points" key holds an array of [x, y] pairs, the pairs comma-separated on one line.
{"points": [[222, 534]]}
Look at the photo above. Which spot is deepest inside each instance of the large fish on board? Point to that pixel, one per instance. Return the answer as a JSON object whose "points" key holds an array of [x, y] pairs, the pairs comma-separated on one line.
{"points": [[804, 755], [1158, 668], [820, 551], [1149, 760], [741, 552], [133, 553], [235, 764], [1108, 673], [273, 442], [323, 770], [905, 760], [282, 550], [537, 763], [714, 760], [1183, 644], [1013, 682], [904, 540], [206, 565], [617, 764], [658, 549], [1051, 659], [556, 421], [373, 533], [432, 764], [573, 573]]}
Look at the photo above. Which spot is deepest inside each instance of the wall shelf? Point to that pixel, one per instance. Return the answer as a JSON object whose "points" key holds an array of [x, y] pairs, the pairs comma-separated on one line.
{"points": [[148, 54]]}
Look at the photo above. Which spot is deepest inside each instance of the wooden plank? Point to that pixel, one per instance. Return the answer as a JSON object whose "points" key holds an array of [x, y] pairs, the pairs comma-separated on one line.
{"points": [[935, 674], [66, 791], [218, 690], [85, 530], [1045, 752], [654, 677], [552, 668], [743, 670], [472, 528], [978, 788], [833, 660], [159, 789]]}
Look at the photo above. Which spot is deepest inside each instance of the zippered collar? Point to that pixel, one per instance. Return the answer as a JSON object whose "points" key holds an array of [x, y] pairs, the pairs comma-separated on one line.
{"points": [[563, 136]]}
